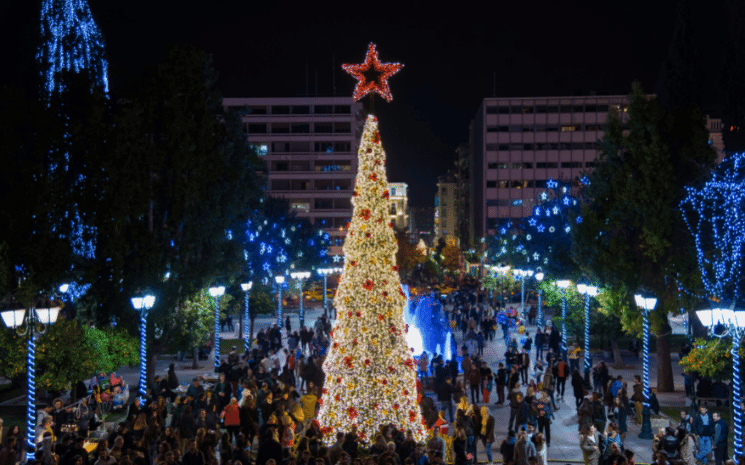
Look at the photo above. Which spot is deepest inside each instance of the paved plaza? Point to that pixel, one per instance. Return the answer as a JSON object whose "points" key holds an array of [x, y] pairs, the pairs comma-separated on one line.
{"points": [[564, 433]]}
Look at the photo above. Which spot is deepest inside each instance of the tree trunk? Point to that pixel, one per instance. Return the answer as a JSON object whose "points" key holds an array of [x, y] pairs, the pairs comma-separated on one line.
{"points": [[194, 365], [617, 360], [665, 382]]}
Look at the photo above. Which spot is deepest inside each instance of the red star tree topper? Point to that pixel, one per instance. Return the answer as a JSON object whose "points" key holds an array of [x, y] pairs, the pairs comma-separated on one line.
{"points": [[372, 75]]}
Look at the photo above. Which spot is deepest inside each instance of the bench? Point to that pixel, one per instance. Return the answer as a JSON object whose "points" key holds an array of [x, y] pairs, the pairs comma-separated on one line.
{"points": [[725, 401]]}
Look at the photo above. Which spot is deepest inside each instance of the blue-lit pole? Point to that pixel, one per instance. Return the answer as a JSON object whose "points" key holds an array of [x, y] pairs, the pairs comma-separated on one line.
{"points": [[325, 299], [279, 280], [734, 322], [31, 394], [522, 297], [588, 291], [14, 319], [646, 304], [216, 292], [539, 277], [737, 393], [563, 285], [143, 304], [301, 276], [246, 318]]}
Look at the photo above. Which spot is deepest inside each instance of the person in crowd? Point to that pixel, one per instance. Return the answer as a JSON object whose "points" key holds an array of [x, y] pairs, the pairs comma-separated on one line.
{"points": [[719, 441], [703, 427], [541, 449], [578, 388], [501, 380], [561, 374], [507, 448], [524, 448], [589, 441], [436, 447]]}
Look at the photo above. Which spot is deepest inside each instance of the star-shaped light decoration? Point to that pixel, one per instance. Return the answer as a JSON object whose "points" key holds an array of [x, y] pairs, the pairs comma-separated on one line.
{"points": [[372, 75], [551, 184]]}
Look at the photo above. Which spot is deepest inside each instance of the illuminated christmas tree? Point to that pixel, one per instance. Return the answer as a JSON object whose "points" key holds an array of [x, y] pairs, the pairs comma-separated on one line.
{"points": [[370, 372]]}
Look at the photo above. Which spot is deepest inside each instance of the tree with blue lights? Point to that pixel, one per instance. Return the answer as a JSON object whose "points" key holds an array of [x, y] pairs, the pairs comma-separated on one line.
{"points": [[70, 41], [628, 235], [543, 239]]}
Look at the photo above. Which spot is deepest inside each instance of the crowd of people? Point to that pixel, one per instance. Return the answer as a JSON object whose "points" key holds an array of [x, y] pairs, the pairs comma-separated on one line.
{"points": [[262, 407]]}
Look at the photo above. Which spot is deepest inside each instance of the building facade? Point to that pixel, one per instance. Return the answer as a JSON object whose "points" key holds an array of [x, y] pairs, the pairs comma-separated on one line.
{"points": [[518, 144], [399, 205], [309, 145], [446, 209]]}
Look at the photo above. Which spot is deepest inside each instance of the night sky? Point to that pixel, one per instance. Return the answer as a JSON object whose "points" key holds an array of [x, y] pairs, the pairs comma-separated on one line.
{"points": [[538, 48]]}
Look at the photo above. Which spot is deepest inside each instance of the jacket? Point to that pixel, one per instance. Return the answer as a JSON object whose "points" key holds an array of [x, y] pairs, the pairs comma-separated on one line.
{"points": [[507, 449], [590, 450], [700, 429], [474, 377], [524, 448]]}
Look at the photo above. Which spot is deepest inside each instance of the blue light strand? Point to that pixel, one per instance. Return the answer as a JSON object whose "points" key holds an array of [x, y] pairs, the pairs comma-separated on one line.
{"points": [[31, 397], [279, 307], [325, 299], [217, 332], [563, 322], [71, 41], [540, 309], [587, 332], [246, 322], [645, 372], [143, 355], [714, 217], [522, 296], [737, 393]]}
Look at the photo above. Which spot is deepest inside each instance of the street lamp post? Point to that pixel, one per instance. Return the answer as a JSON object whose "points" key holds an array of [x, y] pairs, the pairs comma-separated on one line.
{"points": [[246, 318], [279, 280], [36, 316], [733, 322], [588, 291], [523, 274], [563, 285], [143, 304], [646, 304], [301, 276], [539, 277], [325, 272], [217, 292]]}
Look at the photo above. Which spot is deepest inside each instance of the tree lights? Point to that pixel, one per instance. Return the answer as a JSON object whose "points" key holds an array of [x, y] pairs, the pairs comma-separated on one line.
{"points": [[370, 372], [646, 304], [43, 317], [70, 41], [713, 214], [143, 304], [372, 75]]}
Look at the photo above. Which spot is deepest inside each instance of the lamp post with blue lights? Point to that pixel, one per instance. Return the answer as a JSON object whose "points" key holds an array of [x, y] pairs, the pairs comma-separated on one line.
{"points": [[325, 272], [279, 280], [646, 304], [539, 277], [563, 284], [589, 292], [143, 303], [732, 324], [247, 318], [216, 292], [523, 274], [38, 319], [301, 276]]}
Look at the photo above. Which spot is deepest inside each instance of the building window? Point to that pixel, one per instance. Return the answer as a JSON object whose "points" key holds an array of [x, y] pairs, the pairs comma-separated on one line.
{"points": [[300, 128], [547, 164], [323, 109], [257, 128], [491, 110], [280, 128], [593, 127], [261, 148], [324, 128], [491, 184], [492, 129], [342, 109], [342, 128], [571, 164], [281, 110], [570, 128], [301, 110], [443, 191], [300, 205]]}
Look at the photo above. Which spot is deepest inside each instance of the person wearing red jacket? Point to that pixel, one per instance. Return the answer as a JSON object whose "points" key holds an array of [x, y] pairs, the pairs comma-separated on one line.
{"points": [[232, 417]]}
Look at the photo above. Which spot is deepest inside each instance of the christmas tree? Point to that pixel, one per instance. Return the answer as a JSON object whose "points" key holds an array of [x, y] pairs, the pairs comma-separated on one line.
{"points": [[370, 372]]}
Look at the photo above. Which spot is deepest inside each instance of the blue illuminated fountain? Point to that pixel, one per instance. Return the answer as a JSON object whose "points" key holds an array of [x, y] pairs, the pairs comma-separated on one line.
{"points": [[428, 328]]}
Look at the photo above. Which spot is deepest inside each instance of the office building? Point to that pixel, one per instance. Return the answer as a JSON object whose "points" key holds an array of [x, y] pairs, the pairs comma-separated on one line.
{"points": [[446, 209], [399, 205], [518, 144], [309, 145]]}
